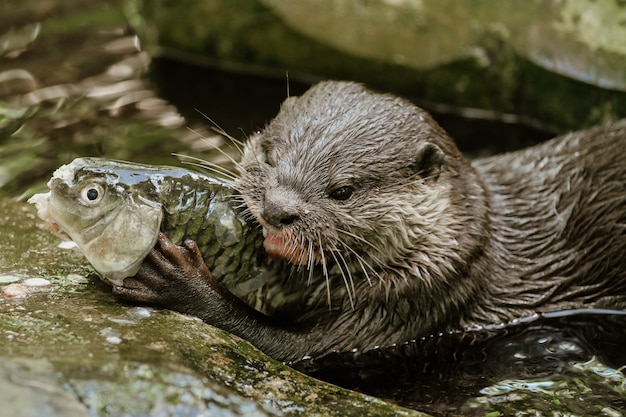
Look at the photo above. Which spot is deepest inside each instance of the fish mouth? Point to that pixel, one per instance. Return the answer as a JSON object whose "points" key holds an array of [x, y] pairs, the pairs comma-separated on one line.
{"points": [[284, 246], [42, 205]]}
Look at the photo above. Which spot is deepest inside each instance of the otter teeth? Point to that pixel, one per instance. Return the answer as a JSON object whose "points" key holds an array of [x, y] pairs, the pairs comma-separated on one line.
{"points": [[264, 232]]}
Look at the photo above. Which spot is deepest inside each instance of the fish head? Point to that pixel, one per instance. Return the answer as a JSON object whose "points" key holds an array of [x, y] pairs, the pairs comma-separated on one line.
{"points": [[106, 209]]}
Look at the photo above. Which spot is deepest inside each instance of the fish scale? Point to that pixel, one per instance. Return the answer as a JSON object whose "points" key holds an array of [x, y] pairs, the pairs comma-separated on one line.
{"points": [[204, 213], [133, 198]]}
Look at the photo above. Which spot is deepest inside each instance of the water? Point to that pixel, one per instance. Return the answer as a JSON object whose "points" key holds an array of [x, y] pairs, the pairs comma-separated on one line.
{"points": [[568, 363], [74, 82]]}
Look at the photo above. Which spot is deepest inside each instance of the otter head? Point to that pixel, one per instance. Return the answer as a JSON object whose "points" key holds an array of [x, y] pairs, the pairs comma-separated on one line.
{"points": [[344, 173]]}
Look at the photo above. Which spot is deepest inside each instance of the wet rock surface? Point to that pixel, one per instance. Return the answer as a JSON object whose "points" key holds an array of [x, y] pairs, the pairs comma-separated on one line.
{"points": [[70, 349]]}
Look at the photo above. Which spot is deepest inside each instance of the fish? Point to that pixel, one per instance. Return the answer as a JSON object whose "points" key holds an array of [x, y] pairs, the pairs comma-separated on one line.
{"points": [[114, 210]]}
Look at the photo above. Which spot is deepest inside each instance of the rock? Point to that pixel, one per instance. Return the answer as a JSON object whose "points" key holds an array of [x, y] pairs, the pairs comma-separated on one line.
{"points": [[74, 350], [515, 61]]}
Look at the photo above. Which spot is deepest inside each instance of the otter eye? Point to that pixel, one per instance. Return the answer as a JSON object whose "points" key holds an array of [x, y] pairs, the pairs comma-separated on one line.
{"points": [[341, 193], [92, 194]]}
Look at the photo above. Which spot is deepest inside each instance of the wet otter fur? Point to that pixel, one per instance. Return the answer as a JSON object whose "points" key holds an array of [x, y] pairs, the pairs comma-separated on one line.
{"points": [[384, 232]]}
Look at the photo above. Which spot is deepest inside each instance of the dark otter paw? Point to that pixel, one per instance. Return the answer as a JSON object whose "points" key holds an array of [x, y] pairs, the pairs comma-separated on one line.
{"points": [[169, 277]]}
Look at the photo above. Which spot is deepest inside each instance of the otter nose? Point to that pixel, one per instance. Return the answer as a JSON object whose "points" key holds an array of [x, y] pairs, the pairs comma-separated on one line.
{"points": [[280, 207]]}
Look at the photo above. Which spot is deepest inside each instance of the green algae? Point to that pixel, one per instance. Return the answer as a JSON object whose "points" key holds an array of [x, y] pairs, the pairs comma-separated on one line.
{"points": [[28, 250]]}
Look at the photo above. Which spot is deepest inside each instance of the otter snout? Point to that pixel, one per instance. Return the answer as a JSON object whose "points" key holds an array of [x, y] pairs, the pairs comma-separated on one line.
{"points": [[280, 207]]}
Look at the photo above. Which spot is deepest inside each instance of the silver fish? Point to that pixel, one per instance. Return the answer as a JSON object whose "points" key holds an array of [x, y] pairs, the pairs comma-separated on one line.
{"points": [[114, 211]]}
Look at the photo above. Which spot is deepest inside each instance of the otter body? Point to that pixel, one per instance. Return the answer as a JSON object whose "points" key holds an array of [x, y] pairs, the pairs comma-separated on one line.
{"points": [[382, 232]]}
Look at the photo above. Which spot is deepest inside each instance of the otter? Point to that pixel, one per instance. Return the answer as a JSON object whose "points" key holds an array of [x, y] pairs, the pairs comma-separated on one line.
{"points": [[381, 231]]}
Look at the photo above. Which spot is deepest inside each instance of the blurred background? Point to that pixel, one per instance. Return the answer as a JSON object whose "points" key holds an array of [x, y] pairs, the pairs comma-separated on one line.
{"points": [[138, 80]]}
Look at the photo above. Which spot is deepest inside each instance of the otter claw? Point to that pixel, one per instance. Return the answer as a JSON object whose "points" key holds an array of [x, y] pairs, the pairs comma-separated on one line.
{"points": [[136, 294]]}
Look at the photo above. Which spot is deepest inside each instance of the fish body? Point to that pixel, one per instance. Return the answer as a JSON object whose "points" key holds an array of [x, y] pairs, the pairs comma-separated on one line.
{"points": [[114, 211]]}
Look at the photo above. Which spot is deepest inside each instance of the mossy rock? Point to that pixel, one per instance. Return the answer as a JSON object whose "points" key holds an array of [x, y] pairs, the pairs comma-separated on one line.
{"points": [[71, 349], [559, 66]]}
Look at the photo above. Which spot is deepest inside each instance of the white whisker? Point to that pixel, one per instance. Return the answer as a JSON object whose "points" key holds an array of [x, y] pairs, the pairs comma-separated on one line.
{"points": [[237, 143], [345, 274], [218, 148], [325, 271], [362, 240], [363, 263], [207, 165], [311, 262]]}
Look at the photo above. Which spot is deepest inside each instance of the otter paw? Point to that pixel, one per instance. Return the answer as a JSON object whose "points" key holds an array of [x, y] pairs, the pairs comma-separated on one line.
{"points": [[169, 276], [135, 290]]}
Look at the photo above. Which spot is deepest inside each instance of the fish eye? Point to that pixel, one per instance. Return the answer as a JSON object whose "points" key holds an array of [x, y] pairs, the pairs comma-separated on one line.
{"points": [[92, 194]]}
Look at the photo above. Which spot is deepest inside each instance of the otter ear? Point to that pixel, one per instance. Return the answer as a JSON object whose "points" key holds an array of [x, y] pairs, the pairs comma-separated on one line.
{"points": [[428, 161]]}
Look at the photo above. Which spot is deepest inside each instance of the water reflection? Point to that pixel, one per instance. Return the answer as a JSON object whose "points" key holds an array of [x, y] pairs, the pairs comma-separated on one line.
{"points": [[112, 111], [563, 363]]}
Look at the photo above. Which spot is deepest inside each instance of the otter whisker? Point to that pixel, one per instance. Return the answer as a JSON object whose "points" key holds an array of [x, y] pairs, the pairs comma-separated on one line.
{"points": [[348, 269], [345, 274], [361, 259], [304, 255], [310, 262], [365, 241], [218, 148], [244, 211], [235, 198], [241, 205], [363, 263], [236, 142], [325, 271], [295, 249], [363, 268], [291, 249], [215, 169], [208, 165], [356, 237]]}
